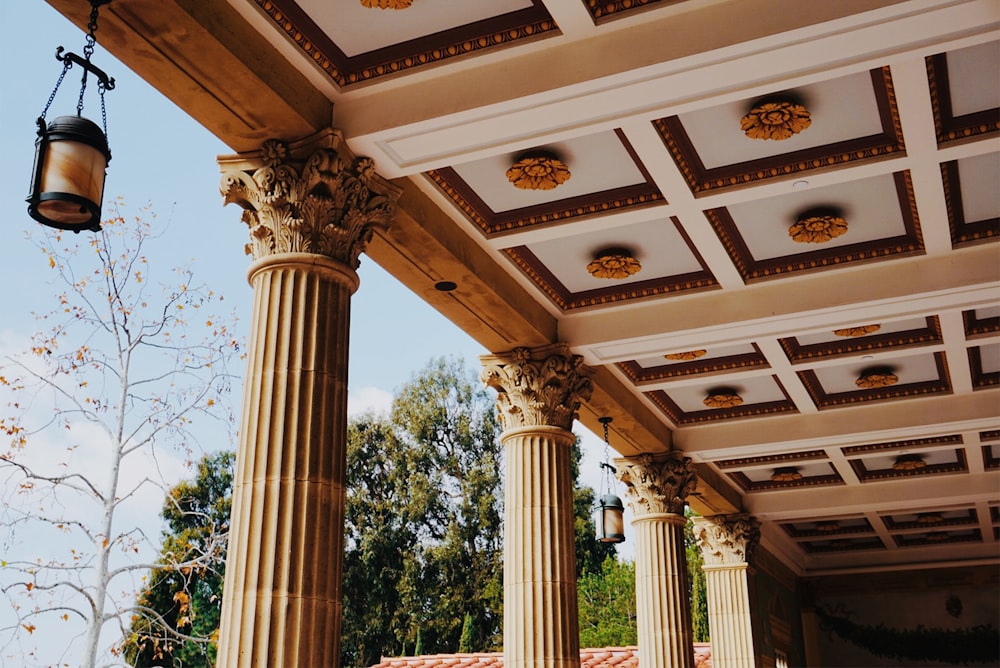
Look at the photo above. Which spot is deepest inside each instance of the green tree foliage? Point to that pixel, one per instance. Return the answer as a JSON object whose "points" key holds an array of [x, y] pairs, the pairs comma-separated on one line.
{"points": [[177, 614], [697, 589], [607, 605], [423, 521]]}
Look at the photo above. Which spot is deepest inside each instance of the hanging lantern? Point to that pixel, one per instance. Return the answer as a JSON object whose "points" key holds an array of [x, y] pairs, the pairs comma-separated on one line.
{"points": [[611, 510], [71, 152], [612, 529]]}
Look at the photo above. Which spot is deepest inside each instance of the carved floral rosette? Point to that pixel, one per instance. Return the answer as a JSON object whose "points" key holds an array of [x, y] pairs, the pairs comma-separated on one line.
{"points": [[539, 170], [538, 386], [657, 483], [386, 4], [614, 263], [775, 119], [727, 540], [317, 198]]}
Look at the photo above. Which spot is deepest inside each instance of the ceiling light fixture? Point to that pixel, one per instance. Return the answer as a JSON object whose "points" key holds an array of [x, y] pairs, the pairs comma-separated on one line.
{"points": [[929, 518], [863, 330], [538, 170], [71, 152], [611, 523], [831, 526], [876, 377], [723, 397], [614, 263], [776, 119]]}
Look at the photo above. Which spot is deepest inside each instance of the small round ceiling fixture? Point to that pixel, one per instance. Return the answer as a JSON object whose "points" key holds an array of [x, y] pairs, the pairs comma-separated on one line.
{"points": [[614, 263], [538, 170], [686, 356], [929, 518], [875, 377], [776, 119], [723, 397], [831, 526], [445, 286], [817, 228], [787, 474], [863, 330]]}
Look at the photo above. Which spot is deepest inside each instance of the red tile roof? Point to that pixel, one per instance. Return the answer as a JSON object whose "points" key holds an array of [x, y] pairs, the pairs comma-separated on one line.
{"points": [[605, 657]]}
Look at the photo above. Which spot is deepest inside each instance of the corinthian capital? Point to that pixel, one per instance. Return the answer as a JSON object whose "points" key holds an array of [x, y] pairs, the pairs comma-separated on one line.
{"points": [[726, 540], [537, 386], [657, 483], [311, 196]]}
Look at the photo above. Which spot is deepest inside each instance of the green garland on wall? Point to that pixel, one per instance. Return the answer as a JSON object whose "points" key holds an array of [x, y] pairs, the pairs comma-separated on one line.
{"points": [[976, 644]]}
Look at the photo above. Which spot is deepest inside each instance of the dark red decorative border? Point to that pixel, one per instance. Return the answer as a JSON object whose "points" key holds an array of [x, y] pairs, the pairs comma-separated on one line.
{"points": [[877, 475], [751, 269], [849, 346], [963, 232], [493, 223], [888, 143], [949, 128], [941, 385], [529, 23], [640, 375]]}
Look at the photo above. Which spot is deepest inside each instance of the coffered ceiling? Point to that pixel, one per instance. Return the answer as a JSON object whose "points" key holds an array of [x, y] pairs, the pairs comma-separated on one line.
{"points": [[795, 207]]}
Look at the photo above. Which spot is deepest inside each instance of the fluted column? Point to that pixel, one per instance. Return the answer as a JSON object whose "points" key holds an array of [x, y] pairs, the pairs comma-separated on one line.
{"points": [[727, 542], [311, 208], [539, 393], [656, 488]]}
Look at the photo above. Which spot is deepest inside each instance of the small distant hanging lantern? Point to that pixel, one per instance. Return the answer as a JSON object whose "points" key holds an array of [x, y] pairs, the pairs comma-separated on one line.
{"points": [[611, 510], [71, 152]]}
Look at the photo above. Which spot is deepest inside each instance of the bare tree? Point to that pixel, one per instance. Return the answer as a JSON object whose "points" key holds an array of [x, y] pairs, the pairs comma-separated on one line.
{"points": [[126, 380]]}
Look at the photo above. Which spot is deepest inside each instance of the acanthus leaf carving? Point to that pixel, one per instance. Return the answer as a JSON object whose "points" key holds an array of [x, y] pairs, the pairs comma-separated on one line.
{"points": [[315, 197], [538, 387], [657, 483], [727, 540]]}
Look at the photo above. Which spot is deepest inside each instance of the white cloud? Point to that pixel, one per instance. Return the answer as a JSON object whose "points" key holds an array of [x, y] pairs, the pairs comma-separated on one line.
{"points": [[368, 398]]}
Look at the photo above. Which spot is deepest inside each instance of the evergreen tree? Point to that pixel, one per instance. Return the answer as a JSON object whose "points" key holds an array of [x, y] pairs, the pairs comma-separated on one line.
{"points": [[424, 542]]}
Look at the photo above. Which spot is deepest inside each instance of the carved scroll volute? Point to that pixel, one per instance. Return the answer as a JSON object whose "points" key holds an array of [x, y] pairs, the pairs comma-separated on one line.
{"points": [[311, 196], [727, 540], [538, 386], [657, 483]]}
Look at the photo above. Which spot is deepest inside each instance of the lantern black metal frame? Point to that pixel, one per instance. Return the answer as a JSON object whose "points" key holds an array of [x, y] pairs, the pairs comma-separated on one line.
{"points": [[611, 520], [71, 152]]}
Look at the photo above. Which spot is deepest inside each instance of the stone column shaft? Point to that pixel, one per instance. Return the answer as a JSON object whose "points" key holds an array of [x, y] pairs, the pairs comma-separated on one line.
{"points": [[540, 600], [538, 394], [311, 208], [657, 486], [729, 617], [661, 585], [726, 545], [283, 573]]}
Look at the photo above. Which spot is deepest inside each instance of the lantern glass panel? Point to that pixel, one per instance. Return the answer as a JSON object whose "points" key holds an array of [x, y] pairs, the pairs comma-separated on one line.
{"points": [[76, 169]]}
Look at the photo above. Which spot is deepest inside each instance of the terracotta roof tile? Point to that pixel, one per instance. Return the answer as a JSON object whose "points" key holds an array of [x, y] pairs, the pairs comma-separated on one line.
{"points": [[604, 657]]}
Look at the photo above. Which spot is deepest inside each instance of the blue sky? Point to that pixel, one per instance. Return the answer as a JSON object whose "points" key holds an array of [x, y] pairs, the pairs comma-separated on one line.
{"points": [[162, 157]]}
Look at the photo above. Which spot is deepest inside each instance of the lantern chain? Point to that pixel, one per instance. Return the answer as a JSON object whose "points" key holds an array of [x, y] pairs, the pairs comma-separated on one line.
{"points": [[66, 66], [607, 470], [88, 51]]}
